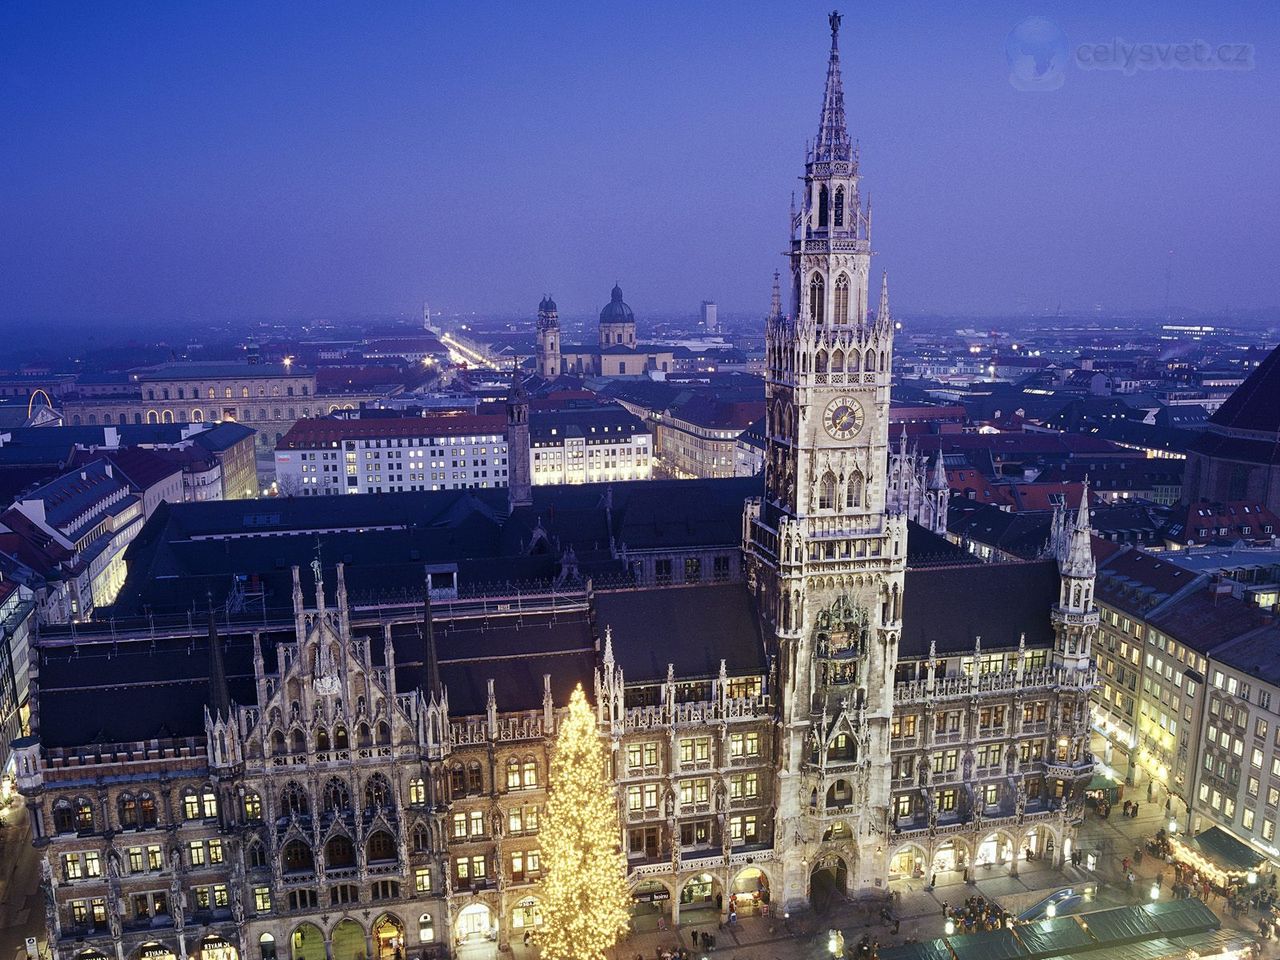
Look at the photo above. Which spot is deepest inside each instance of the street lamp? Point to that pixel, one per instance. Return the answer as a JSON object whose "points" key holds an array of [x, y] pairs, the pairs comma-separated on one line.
{"points": [[950, 927], [1173, 825], [1252, 877], [1051, 911], [1155, 892], [835, 943]]}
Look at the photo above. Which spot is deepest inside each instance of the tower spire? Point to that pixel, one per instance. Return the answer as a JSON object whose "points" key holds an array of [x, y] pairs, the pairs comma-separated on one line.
{"points": [[219, 694], [882, 311], [1079, 562], [833, 137], [775, 299]]}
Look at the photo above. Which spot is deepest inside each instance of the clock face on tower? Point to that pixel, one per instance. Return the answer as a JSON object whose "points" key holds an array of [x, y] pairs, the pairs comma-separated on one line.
{"points": [[843, 418]]}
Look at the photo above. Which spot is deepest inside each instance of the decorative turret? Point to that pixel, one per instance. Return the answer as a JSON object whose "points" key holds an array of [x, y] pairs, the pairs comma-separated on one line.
{"points": [[1078, 561]]}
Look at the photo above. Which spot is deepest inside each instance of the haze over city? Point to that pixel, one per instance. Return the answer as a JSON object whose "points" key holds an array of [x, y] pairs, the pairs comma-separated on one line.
{"points": [[290, 161]]}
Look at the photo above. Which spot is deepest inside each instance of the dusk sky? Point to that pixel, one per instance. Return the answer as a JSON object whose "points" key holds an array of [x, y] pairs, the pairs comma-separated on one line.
{"points": [[209, 161]]}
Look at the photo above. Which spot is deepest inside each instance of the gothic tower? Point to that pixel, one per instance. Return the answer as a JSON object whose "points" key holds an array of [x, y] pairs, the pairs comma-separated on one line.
{"points": [[827, 558], [548, 339], [519, 476]]}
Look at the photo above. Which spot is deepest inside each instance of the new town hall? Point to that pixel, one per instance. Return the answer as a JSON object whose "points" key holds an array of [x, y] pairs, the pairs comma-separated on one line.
{"points": [[346, 756]]}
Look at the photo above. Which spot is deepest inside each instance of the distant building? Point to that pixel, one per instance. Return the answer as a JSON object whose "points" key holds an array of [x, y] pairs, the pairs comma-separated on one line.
{"points": [[710, 324], [1236, 457], [618, 354], [456, 452], [389, 455], [267, 397]]}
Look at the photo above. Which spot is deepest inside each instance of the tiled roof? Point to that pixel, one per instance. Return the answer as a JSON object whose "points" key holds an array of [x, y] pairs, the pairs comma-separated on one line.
{"points": [[952, 606]]}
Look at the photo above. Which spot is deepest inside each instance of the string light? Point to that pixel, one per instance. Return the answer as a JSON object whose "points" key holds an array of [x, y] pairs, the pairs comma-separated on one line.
{"points": [[586, 905]]}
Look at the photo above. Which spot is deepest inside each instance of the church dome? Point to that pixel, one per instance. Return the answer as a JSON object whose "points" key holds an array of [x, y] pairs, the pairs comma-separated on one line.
{"points": [[547, 305], [615, 311]]}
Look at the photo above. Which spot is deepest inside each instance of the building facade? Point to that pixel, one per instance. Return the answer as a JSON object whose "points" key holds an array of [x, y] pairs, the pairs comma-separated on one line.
{"points": [[617, 354]]}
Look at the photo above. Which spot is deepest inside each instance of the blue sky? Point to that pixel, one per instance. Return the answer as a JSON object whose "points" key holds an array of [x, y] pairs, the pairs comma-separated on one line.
{"points": [[205, 161]]}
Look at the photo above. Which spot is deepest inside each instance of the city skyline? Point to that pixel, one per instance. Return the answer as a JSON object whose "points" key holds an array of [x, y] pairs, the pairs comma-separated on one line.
{"points": [[192, 167]]}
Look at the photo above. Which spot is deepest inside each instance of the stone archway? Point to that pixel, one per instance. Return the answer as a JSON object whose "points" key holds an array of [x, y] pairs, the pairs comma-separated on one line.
{"points": [[910, 860], [828, 882], [995, 853], [306, 943], [701, 899], [750, 892], [348, 941], [650, 905], [388, 938]]}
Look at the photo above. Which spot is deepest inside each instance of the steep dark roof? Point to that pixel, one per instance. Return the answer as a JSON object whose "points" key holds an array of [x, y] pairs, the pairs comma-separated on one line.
{"points": [[1253, 405], [692, 628], [1203, 619], [926, 549], [952, 606]]}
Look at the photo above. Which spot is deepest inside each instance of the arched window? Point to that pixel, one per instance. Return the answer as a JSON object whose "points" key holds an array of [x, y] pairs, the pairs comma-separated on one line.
{"points": [[827, 492], [380, 847], [417, 791], [267, 946], [853, 493], [336, 796], [529, 771], [855, 361], [297, 857], [840, 309], [838, 212], [340, 740], [257, 854], [128, 808], [870, 361], [208, 803], [244, 393], [820, 363], [363, 737], [377, 793], [299, 741], [421, 839], [339, 852], [426, 929], [475, 778], [84, 815], [153, 417], [384, 730], [211, 393], [457, 781], [322, 739], [293, 800], [252, 807], [277, 742], [513, 774], [64, 817], [837, 361], [817, 298], [824, 200], [197, 415], [147, 810]]}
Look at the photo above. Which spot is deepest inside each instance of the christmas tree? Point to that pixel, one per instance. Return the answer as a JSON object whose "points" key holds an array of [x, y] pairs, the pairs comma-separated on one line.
{"points": [[585, 898]]}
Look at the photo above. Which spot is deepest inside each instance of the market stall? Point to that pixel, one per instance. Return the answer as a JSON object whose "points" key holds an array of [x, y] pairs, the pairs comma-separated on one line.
{"points": [[1217, 857]]}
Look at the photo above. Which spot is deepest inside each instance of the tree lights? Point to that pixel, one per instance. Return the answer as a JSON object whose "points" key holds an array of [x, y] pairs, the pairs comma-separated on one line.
{"points": [[585, 898]]}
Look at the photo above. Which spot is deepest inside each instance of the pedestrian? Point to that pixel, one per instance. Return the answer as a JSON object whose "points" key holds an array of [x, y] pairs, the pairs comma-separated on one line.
{"points": [[1168, 801], [1127, 805], [1135, 811], [945, 907]]}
